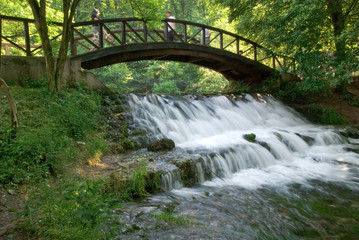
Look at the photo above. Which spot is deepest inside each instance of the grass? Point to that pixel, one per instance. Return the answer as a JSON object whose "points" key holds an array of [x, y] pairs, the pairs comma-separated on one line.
{"points": [[58, 131], [50, 128], [80, 208], [170, 217]]}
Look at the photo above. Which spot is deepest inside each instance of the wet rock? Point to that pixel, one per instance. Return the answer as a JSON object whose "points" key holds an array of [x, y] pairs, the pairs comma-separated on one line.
{"points": [[114, 124], [106, 111], [351, 132], [106, 101], [309, 140], [164, 144], [355, 150], [250, 137], [189, 171], [114, 97], [264, 144], [118, 109]]}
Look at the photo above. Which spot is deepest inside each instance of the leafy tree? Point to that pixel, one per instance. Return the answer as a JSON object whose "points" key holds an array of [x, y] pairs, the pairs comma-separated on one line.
{"points": [[303, 27], [166, 87], [54, 69]]}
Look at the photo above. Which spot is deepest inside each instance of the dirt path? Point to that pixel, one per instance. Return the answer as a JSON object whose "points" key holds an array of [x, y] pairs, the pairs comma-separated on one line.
{"points": [[11, 202]]}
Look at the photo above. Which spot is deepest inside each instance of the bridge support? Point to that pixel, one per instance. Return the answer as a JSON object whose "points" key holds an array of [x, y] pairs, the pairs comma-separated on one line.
{"points": [[19, 69]]}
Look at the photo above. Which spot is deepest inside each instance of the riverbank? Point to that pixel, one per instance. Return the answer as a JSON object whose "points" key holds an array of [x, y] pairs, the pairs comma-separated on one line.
{"points": [[331, 108], [62, 161], [57, 179]]}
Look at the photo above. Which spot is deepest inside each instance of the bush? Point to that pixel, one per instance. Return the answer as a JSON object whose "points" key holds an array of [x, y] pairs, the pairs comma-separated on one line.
{"points": [[69, 209], [319, 114], [81, 208], [49, 128], [166, 87]]}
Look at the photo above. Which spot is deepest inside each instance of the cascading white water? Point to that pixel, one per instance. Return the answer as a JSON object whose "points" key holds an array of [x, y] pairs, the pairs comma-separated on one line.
{"points": [[287, 147]]}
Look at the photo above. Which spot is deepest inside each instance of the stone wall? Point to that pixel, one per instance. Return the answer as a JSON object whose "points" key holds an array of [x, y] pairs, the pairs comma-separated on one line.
{"points": [[15, 69]]}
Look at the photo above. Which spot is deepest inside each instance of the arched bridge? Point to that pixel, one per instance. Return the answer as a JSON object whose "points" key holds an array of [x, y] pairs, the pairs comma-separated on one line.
{"points": [[132, 39]]}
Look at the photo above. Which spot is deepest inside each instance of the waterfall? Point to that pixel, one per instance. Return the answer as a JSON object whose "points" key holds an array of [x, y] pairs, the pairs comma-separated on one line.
{"points": [[214, 127]]}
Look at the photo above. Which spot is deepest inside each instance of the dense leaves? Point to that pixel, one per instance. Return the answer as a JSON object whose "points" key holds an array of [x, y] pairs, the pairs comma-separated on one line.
{"points": [[326, 30]]}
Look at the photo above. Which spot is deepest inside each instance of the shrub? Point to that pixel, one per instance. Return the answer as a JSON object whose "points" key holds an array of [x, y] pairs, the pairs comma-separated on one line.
{"points": [[319, 114], [166, 87], [81, 208], [49, 128]]}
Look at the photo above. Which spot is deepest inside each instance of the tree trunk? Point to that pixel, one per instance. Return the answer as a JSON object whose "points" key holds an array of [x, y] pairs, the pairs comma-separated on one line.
{"points": [[13, 110], [69, 12], [54, 72], [39, 12], [338, 17]]}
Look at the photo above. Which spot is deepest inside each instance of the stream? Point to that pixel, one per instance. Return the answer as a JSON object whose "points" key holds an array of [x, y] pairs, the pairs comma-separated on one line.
{"points": [[293, 180]]}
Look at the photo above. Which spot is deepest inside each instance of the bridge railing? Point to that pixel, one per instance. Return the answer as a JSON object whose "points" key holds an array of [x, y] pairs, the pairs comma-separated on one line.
{"points": [[23, 39]]}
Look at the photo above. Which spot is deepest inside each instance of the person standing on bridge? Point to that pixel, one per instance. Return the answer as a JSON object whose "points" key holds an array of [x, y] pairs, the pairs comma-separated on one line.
{"points": [[95, 15], [171, 27], [96, 30]]}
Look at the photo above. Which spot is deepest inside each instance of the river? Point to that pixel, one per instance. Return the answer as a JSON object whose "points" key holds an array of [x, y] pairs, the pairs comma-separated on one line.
{"points": [[293, 180]]}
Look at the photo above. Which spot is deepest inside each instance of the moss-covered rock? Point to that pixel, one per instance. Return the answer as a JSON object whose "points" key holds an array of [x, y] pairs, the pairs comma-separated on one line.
{"points": [[164, 144], [250, 137], [190, 171]]}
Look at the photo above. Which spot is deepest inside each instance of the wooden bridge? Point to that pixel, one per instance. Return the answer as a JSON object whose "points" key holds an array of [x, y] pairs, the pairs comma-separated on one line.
{"points": [[132, 39]]}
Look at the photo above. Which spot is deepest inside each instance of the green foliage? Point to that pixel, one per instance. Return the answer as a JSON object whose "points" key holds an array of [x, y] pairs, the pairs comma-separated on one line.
{"points": [[237, 87], [319, 34], [353, 100], [34, 83], [125, 145], [138, 185], [170, 217], [81, 208], [319, 114], [291, 92], [210, 82], [69, 209], [250, 137], [166, 87], [49, 128]]}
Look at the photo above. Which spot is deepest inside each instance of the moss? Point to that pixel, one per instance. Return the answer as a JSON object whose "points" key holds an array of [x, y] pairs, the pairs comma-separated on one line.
{"points": [[188, 172], [55, 131], [250, 137], [170, 217], [140, 184], [126, 144]]}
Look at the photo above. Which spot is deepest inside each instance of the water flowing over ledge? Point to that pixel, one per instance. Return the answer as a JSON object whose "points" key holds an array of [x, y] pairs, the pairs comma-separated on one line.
{"points": [[287, 149]]}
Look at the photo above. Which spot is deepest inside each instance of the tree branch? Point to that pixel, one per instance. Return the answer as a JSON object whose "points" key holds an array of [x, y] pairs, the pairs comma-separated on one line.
{"points": [[13, 110], [352, 7]]}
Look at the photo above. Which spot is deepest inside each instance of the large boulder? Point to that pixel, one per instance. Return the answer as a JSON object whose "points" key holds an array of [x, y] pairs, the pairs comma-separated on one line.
{"points": [[164, 144]]}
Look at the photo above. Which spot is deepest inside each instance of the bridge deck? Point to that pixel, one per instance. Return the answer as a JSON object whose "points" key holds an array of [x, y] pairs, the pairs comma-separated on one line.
{"points": [[130, 39], [232, 66]]}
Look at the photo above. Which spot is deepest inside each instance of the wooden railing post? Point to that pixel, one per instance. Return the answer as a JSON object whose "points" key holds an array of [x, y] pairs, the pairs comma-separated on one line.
{"points": [[101, 35], [166, 31], [0, 40], [255, 52], [203, 36], [237, 45], [123, 32], [145, 31], [273, 61], [221, 40], [185, 32], [27, 38]]}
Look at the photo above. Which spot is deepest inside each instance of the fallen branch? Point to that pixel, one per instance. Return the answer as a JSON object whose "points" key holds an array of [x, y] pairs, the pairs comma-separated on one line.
{"points": [[13, 110]]}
